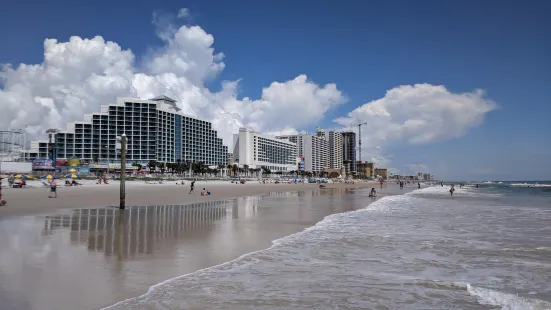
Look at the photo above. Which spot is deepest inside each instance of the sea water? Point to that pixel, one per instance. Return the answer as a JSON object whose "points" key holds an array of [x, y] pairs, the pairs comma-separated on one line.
{"points": [[483, 248]]}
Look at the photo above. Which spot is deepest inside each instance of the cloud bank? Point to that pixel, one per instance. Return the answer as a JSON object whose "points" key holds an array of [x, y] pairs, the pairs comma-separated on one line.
{"points": [[79, 75], [416, 114]]}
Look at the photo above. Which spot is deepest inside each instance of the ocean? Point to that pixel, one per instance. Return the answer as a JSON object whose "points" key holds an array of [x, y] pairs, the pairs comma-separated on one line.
{"points": [[483, 248]]}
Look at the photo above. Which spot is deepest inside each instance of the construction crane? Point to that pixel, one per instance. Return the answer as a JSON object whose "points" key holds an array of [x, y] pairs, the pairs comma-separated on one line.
{"points": [[360, 140]]}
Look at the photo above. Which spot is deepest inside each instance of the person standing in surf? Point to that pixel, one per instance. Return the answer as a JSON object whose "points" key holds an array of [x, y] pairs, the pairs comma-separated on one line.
{"points": [[452, 189]]}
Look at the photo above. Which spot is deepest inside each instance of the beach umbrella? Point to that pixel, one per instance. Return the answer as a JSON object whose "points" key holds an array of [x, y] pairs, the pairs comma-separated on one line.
{"points": [[23, 176], [72, 176], [72, 170]]}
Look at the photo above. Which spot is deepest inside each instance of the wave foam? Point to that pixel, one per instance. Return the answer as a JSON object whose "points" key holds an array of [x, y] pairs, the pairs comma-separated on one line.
{"points": [[441, 191], [505, 300], [381, 205], [529, 185]]}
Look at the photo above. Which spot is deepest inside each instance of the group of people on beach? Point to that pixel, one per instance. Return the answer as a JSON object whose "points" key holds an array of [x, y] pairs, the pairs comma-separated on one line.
{"points": [[12, 182], [204, 191]]}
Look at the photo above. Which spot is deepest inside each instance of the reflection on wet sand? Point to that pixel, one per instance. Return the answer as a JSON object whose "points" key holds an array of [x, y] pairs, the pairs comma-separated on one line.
{"points": [[135, 230], [47, 262]]}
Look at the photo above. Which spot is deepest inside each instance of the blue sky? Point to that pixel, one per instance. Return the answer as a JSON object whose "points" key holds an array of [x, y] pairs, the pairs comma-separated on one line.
{"points": [[366, 48]]}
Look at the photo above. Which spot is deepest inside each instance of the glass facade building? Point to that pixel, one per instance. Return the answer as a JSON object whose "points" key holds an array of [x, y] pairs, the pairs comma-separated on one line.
{"points": [[155, 129]]}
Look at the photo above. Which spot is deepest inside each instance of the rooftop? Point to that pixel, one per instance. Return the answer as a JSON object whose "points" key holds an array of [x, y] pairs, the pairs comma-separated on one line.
{"points": [[163, 98]]}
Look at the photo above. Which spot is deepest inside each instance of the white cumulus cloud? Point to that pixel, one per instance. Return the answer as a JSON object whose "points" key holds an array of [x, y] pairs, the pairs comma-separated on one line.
{"points": [[79, 75], [417, 114]]}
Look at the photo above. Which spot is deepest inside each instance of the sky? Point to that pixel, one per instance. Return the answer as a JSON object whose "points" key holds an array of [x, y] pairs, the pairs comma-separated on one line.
{"points": [[459, 89]]}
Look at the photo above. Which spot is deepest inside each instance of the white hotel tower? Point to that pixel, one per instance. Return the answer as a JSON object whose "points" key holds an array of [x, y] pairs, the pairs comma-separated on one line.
{"points": [[156, 130], [256, 150]]}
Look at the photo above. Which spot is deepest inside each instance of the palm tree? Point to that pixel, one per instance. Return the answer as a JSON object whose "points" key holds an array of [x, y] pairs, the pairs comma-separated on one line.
{"points": [[185, 167], [162, 166], [221, 169], [172, 167], [152, 165], [235, 168], [246, 169], [137, 165]]}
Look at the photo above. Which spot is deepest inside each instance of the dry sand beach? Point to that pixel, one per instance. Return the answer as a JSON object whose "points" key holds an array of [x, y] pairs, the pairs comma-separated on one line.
{"points": [[74, 252]]}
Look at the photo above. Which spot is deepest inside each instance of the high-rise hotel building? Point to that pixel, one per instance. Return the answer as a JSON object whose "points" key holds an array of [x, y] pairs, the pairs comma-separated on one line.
{"points": [[349, 151], [256, 151], [335, 149], [156, 129], [314, 149]]}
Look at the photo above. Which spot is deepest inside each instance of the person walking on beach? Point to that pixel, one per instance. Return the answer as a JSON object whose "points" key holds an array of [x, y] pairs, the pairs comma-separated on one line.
{"points": [[53, 189], [418, 185], [452, 189], [192, 189]]}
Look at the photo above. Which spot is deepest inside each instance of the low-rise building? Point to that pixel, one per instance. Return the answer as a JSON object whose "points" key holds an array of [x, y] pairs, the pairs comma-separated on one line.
{"points": [[365, 169], [381, 173]]}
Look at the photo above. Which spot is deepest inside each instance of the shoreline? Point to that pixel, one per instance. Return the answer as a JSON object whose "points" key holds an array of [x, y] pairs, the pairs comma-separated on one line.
{"points": [[273, 243], [247, 224]]}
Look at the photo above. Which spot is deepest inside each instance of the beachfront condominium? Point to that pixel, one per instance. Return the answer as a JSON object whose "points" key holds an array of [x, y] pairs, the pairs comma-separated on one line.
{"points": [[255, 150], [156, 129], [349, 151], [334, 138], [335, 149], [314, 149]]}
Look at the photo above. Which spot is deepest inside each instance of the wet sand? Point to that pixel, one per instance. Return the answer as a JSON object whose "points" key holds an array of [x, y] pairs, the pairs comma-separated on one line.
{"points": [[89, 258], [34, 200]]}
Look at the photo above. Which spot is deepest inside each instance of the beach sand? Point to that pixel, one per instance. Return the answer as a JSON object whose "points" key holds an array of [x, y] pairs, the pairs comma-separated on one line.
{"points": [[94, 256], [34, 200]]}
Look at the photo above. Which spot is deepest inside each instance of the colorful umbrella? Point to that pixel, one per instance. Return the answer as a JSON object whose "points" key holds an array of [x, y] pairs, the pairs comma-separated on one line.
{"points": [[72, 171], [49, 177], [72, 176], [23, 176]]}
